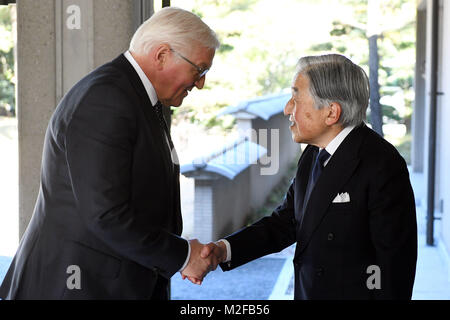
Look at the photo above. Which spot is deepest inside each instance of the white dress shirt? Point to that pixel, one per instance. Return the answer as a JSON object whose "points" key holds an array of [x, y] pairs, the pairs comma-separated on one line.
{"points": [[153, 99], [336, 142], [147, 84]]}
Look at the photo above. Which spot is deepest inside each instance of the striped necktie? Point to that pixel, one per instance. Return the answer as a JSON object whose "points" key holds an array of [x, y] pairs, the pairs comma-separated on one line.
{"points": [[163, 125], [159, 113]]}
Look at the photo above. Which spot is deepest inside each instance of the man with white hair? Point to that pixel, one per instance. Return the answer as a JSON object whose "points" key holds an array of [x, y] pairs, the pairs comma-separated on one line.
{"points": [[350, 208], [107, 221]]}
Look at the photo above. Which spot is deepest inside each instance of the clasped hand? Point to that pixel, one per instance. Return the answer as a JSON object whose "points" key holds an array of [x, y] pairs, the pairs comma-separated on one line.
{"points": [[204, 258]]}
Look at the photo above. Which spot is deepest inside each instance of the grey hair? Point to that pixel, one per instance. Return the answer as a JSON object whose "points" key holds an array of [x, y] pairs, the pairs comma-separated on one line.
{"points": [[334, 78], [179, 28]]}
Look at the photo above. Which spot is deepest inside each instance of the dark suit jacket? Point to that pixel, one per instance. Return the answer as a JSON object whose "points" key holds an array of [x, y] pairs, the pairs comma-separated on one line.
{"points": [[108, 201], [337, 242]]}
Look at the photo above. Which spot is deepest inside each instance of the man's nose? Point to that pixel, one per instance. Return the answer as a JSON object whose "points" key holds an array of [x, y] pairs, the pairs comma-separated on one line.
{"points": [[288, 108], [200, 82]]}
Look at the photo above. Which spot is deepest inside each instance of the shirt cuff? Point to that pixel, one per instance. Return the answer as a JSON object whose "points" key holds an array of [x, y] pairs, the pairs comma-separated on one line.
{"points": [[228, 246], [187, 258]]}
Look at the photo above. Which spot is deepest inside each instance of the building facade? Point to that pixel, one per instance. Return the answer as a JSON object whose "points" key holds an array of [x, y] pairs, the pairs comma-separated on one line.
{"points": [[431, 147]]}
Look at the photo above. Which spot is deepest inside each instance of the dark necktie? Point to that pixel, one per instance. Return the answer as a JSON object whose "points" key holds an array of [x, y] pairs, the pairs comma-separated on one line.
{"points": [[318, 165], [162, 123], [159, 113], [316, 171], [174, 167]]}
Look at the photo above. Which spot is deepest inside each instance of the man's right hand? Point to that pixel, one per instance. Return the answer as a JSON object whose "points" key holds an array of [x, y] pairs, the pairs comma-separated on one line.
{"points": [[203, 259]]}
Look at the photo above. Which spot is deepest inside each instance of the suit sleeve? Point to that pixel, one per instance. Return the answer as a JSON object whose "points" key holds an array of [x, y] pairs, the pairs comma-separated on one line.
{"points": [[394, 229], [268, 235], [99, 145]]}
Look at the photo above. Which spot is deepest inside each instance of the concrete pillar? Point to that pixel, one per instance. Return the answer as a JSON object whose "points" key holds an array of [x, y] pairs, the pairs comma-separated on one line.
{"points": [[36, 94], [60, 41]]}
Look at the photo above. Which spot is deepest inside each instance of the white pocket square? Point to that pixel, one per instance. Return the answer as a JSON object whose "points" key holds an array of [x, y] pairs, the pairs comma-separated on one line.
{"points": [[342, 198]]}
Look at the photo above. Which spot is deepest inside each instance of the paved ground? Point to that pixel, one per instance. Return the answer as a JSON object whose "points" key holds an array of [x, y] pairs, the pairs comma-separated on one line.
{"points": [[253, 281], [4, 264], [266, 278]]}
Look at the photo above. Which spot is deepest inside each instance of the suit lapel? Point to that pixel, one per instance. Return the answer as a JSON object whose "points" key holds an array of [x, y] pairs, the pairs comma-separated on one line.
{"points": [[159, 138], [335, 174], [158, 135], [162, 140]]}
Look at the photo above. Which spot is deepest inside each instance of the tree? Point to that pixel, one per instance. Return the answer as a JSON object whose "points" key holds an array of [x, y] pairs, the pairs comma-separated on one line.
{"points": [[7, 91], [257, 56], [262, 40], [373, 33], [388, 29]]}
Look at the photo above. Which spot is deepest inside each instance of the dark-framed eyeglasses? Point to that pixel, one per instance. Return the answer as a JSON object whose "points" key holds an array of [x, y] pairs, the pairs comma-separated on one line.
{"points": [[201, 71]]}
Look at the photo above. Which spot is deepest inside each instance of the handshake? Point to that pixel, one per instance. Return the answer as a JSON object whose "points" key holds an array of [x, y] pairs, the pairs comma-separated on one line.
{"points": [[203, 259]]}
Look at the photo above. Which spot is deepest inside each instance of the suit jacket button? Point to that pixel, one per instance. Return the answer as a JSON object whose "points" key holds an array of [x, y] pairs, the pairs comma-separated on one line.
{"points": [[330, 236], [319, 272]]}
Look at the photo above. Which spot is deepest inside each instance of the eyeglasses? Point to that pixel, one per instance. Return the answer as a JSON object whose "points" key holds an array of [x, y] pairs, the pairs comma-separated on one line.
{"points": [[201, 71]]}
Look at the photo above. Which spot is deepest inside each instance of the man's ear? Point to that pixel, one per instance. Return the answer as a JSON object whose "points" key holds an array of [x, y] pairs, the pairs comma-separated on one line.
{"points": [[334, 113], [160, 55]]}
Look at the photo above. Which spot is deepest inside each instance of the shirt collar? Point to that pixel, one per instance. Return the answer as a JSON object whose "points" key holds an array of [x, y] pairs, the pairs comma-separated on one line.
{"points": [[336, 142], [145, 81]]}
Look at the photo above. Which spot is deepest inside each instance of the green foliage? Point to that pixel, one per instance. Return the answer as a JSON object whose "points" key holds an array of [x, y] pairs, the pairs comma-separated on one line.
{"points": [[278, 74], [262, 40], [240, 5], [225, 48], [7, 91], [223, 38], [396, 47], [326, 46], [341, 29], [219, 90], [5, 18], [389, 114], [404, 148]]}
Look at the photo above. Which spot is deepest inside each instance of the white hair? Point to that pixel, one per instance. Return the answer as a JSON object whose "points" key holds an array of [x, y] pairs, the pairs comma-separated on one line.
{"points": [[334, 78], [176, 27]]}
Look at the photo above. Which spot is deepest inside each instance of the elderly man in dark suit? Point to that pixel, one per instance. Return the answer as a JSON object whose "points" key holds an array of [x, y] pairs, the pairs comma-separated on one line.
{"points": [[107, 221], [350, 208]]}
